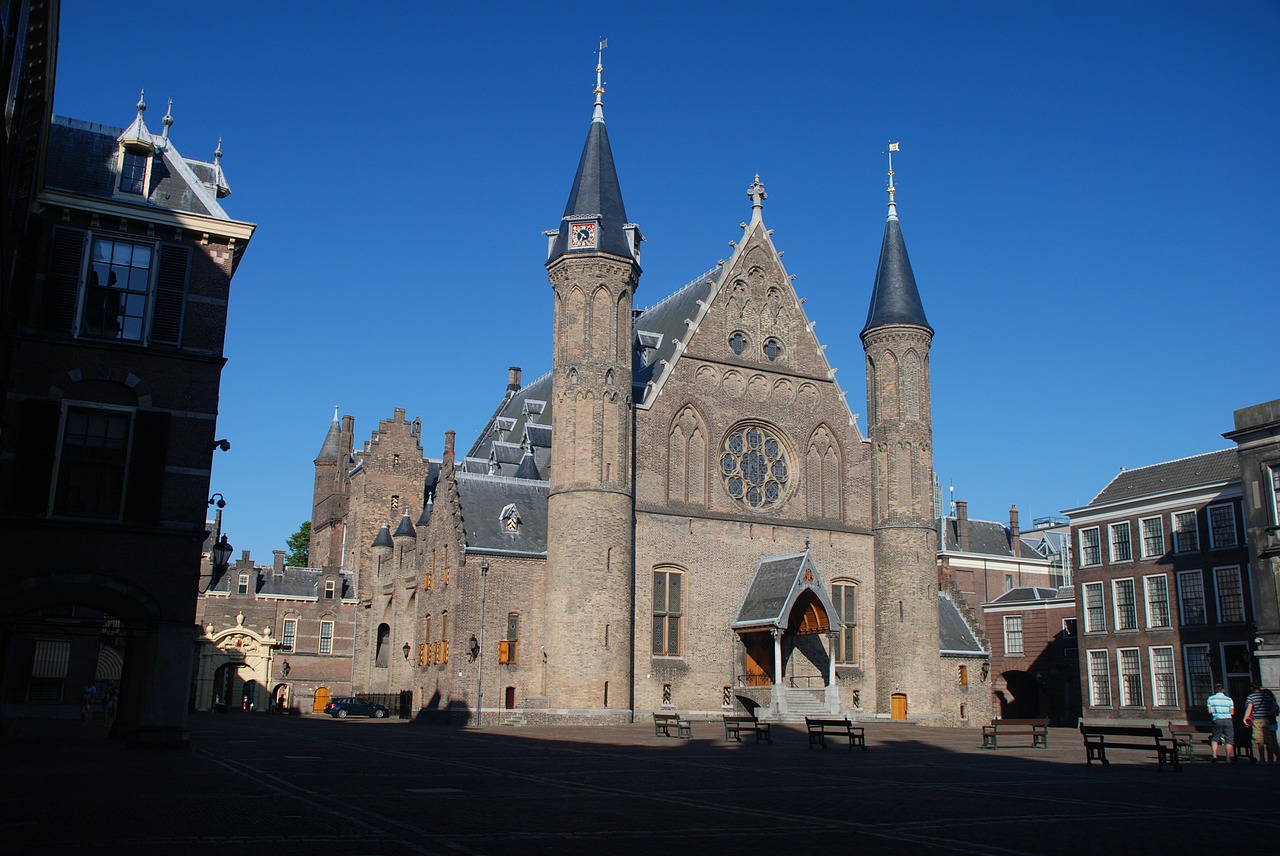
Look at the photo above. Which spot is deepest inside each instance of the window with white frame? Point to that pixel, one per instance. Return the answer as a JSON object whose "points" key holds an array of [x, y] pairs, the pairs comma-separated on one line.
{"points": [[1164, 685], [117, 291], [1099, 679], [289, 635], [1095, 620], [1230, 596], [1156, 587], [1090, 547], [1129, 664], [329, 587], [326, 637], [133, 172], [1191, 597], [1195, 659], [1126, 604], [242, 586], [1013, 635], [1186, 535], [1275, 495], [1152, 533], [1121, 545], [92, 461], [1222, 527]]}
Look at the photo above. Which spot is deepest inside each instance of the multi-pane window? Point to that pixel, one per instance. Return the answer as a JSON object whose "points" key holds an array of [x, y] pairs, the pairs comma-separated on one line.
{"points": [[1012, 634], [329, 587], [1157, 591], [1090, 547], [289, 635], [116, 295], [1094, 614], [133, 173], [92, 463], [1121, 546], [1191, 596], [326, 637], [242, 586], [1152, 530], [1126, 605], [845, 597], [1130, 666], [667, 610], [1222, 527], [1164, 689], [1186, 537], [1230, 596], [1099, 679], [1199, 675], [508, 649]]}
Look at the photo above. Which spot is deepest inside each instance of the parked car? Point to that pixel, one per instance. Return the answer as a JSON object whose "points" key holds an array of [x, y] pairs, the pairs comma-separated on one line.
{"points": [[350, 706]]}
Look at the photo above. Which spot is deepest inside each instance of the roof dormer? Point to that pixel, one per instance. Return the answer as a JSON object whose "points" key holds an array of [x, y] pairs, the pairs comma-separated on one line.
{"points": [[137, 146]]}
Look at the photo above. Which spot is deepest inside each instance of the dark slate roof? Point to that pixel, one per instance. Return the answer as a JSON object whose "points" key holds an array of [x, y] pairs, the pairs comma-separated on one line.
{"points": [[1029, 594], [1211, 468], [666, 321], [895, 298], [528, 468], [986, 537], [331, 449], [383, 538], [483, 498], [778, 581], [513, 425], [82, 159], [954, 633], [405, 528], [299, 583], [595, 193], [425, 517]]}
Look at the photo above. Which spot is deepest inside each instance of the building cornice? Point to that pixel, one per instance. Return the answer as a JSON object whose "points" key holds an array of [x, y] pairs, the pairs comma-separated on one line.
{"points": [[160, 216]]}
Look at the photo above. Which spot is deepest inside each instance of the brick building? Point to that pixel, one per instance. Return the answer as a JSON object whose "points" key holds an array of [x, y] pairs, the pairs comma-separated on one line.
{"points": [[1163, 591], [115, 301], [682, 513], [274, 637]]}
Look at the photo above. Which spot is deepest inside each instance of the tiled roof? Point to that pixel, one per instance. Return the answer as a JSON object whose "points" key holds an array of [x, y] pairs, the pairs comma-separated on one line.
{"points": [[1171, 476], [483, 499], [954, 633]]}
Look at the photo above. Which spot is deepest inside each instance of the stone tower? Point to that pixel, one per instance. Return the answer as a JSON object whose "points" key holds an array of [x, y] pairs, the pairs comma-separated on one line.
{"points": [[331, 494], [593, 265], [896, 339]]}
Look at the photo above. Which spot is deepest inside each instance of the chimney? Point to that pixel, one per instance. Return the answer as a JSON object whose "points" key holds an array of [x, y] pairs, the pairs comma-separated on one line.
{"points": [[277, 563], [962, 524], [1015, 534], [448, 445], [513, 379]]}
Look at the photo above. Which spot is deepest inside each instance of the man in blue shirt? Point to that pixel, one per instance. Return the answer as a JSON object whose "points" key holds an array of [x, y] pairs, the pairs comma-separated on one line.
{"points": [[1222, 709], [1260, 715]]}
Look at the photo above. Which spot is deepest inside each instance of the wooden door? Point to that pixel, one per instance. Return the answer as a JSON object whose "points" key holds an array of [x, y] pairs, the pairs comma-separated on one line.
{"points": [[510, 701], [898, 706], [322, 699], [759, 659]]}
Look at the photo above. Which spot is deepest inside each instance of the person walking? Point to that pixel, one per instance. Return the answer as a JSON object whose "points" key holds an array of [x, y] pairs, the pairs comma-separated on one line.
{"points": [[1222, 709], [1259, 714]]}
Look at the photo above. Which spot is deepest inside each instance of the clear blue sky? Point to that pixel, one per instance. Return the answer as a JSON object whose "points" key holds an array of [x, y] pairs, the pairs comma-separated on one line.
{"points": [[1089, 191]]}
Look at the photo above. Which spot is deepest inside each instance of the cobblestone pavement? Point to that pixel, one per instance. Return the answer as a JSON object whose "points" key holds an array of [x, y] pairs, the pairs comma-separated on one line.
{"points": [[313, 785]]}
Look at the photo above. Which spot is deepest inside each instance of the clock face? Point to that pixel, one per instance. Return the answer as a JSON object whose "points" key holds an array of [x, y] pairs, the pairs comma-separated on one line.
{"points": [[582, 236]]}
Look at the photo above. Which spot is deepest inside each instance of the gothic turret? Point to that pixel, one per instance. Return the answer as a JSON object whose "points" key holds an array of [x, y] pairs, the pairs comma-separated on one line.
{"points": [[330, 494], [897, 339], [594, 270]]}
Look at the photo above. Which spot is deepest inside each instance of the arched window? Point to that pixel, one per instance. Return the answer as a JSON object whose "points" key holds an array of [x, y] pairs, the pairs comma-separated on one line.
{"points": [[668, 609], [382, 651], [844, 595]]}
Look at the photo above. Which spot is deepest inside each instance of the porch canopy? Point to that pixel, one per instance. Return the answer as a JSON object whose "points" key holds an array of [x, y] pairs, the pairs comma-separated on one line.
{"points": [[787, 595]]}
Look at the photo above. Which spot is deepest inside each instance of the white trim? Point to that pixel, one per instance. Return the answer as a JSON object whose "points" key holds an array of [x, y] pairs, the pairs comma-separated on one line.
{"points": [[160, 216]]}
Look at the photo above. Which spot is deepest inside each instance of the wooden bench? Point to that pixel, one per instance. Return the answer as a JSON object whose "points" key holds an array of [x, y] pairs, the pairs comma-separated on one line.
{"points": [[1099, 738], [663, 722], [821, 729], [1036, 729], [735, 725]]}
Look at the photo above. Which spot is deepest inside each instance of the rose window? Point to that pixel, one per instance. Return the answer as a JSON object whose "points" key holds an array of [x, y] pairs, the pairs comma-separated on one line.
{"points": [[754, 466]]}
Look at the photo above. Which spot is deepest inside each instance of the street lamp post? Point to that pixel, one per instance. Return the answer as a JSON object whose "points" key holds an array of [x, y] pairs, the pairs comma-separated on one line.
{"points": [[484, 582]]}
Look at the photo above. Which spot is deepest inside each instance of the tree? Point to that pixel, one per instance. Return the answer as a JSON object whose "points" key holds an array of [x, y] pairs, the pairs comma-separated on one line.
{"points": [[299, 545]]}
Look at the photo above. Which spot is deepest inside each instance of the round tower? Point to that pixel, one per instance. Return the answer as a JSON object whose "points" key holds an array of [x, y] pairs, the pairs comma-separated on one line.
{"points": [[896, 339], [593, 265]]}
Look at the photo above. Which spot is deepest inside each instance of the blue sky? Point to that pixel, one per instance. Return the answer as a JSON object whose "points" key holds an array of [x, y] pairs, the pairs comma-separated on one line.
{"points": [[1089, 192]]}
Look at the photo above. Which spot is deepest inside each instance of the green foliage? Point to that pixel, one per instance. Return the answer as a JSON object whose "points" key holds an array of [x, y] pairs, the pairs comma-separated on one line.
{"points": [[299, 545]]}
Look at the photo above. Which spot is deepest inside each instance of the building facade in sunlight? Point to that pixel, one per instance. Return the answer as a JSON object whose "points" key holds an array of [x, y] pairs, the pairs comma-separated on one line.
{"points": [[682, 514]]}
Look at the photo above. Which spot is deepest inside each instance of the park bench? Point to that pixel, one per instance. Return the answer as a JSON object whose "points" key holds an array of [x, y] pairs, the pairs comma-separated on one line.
{"points": [[1036, 729], [735, 725], [1184, 739], [1100, 738], [664, 722], [821, 729]]}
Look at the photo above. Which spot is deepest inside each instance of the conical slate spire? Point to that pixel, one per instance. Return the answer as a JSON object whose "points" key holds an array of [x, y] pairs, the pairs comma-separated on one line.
{"points": [[595, 201], [331, 450], [895, 298]]}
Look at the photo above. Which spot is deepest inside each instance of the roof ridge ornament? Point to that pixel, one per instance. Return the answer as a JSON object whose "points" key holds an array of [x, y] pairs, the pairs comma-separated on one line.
{"points": [[757, 195], [893, 206], [136, 138], [168, 120], [598, 115]]}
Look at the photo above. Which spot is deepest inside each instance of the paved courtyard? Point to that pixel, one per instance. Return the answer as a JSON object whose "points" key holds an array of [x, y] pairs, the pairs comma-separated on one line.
{"points": [[295, 785]]}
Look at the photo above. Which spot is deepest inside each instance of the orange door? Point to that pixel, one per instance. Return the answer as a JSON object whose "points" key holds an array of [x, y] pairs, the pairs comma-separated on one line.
{"points": [[898, 706], [322, 699]]}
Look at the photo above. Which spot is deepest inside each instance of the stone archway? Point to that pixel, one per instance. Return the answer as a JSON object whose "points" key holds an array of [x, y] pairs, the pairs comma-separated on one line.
{"points": [[235, 666]]}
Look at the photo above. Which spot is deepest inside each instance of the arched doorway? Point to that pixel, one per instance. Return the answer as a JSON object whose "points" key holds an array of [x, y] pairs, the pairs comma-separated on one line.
{"points": [[280, 698], [898, 706], [1021, 698], [321, 700], [382, 652]]}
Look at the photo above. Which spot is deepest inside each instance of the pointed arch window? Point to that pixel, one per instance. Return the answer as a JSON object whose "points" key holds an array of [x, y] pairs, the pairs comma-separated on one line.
{"points": [[844, 594], [668, 610]]}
